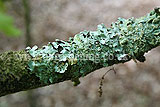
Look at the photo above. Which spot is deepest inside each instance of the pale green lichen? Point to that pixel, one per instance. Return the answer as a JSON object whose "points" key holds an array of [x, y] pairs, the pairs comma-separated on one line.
{"points": [[126, 39]]}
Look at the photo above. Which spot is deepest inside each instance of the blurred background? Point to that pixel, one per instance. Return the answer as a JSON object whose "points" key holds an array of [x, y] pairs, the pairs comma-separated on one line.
{"points": [[41, 21]]}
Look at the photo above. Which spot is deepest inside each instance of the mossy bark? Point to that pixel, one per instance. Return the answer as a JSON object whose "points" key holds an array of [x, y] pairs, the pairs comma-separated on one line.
{"points": [[15, 77], [127, 38]]}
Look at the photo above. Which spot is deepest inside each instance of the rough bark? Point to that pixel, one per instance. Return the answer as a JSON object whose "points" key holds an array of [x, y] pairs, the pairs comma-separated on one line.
{"points": [[36, 67]]}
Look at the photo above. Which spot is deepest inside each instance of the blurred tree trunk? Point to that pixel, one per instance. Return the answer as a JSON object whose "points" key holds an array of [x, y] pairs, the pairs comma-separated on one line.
{"points": [[27, 18]]}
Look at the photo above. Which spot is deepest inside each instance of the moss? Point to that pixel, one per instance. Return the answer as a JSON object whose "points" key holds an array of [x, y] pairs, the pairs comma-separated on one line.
{"points": [[13, 65]]}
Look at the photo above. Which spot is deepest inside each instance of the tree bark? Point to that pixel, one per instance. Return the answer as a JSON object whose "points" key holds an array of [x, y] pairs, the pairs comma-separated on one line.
{"points": [[37, 67]]}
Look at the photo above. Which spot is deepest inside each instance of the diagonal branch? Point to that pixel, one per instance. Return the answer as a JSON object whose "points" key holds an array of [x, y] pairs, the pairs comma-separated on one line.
{"points": [[88, 51]]}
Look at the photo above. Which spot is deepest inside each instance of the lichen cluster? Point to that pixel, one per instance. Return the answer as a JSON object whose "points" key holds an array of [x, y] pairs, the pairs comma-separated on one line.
{"points": [[126, 39]]}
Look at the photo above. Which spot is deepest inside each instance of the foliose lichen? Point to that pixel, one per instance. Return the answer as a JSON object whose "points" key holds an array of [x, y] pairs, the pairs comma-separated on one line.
{"points": [[126, 39]]}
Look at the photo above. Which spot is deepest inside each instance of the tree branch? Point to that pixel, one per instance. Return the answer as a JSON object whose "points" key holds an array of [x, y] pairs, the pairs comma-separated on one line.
{"points": [[88, 51]]}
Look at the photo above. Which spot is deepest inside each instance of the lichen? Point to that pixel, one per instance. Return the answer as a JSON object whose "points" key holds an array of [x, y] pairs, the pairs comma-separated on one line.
{"points": [[126, 39]]}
